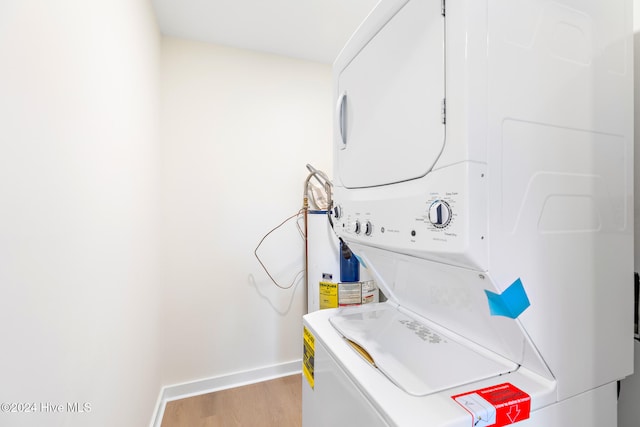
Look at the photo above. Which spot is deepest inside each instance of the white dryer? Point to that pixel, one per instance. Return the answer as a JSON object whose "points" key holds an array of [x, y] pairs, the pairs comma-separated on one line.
{"points": [[483, 173]]}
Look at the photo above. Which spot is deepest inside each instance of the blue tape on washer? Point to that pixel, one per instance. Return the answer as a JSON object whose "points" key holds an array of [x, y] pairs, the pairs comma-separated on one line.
{"points": [[510, 303], [360, 261]]}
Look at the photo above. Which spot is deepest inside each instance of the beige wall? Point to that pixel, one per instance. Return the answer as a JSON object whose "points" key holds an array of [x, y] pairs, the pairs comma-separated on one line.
{"points": [[237, 128], [78, 202]]}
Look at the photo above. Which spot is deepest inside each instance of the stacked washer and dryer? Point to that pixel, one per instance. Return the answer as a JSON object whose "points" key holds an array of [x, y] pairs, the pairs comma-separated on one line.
{"points": [[486, 148]]}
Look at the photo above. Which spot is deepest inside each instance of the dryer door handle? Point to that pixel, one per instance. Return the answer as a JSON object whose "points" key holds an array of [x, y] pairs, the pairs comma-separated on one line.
{"points": [[341, 109]]}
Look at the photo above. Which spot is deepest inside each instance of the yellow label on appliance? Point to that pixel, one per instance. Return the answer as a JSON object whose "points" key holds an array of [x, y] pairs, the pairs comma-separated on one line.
{"points": [[308, 356], [328, 295]]}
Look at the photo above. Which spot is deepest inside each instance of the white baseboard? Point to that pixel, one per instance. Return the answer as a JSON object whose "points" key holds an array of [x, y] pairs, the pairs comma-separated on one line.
{"points": [[208, 385]]}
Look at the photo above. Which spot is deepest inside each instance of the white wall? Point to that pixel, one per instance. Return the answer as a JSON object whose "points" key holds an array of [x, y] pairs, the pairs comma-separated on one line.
{"points": [[237, 128], [78, 198], [88, 198]]}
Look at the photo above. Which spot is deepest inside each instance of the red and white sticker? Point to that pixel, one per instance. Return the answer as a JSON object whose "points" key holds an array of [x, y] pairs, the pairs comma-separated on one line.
{"points": [[495, 406]]}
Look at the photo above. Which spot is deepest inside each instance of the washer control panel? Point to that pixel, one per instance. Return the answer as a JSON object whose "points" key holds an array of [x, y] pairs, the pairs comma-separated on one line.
{"points": [[438, 217]]}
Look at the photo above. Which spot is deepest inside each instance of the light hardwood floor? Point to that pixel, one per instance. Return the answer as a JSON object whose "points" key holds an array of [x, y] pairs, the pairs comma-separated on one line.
{"points": [[274, 403]]}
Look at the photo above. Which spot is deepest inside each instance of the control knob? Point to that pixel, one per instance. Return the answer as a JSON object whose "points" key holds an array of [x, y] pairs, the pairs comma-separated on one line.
{"points": [[337, 212], [440, 214], [368, 228]]}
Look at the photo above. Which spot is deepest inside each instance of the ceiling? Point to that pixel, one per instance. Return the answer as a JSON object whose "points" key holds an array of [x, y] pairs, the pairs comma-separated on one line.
{"points": [[309, 29]]}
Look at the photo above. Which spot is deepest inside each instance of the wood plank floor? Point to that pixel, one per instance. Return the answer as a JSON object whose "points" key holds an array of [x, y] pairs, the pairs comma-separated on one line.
{"points": [[274, 403]]}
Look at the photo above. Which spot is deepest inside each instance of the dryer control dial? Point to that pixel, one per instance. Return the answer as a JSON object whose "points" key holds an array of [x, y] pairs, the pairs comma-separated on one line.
{"points": [[368, 228], [440, 214], [337, 212]]}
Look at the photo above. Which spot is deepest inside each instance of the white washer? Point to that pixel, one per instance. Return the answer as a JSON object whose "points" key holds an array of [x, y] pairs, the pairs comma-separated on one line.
{"points": [[487, 150]]}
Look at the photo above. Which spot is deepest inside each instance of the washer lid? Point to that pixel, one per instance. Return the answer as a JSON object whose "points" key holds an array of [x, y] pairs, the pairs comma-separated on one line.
{"points": [[390, 97], [418, 358]]}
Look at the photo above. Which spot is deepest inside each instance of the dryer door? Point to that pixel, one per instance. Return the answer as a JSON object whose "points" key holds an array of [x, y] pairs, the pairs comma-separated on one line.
{"points": [[389, 109]]}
